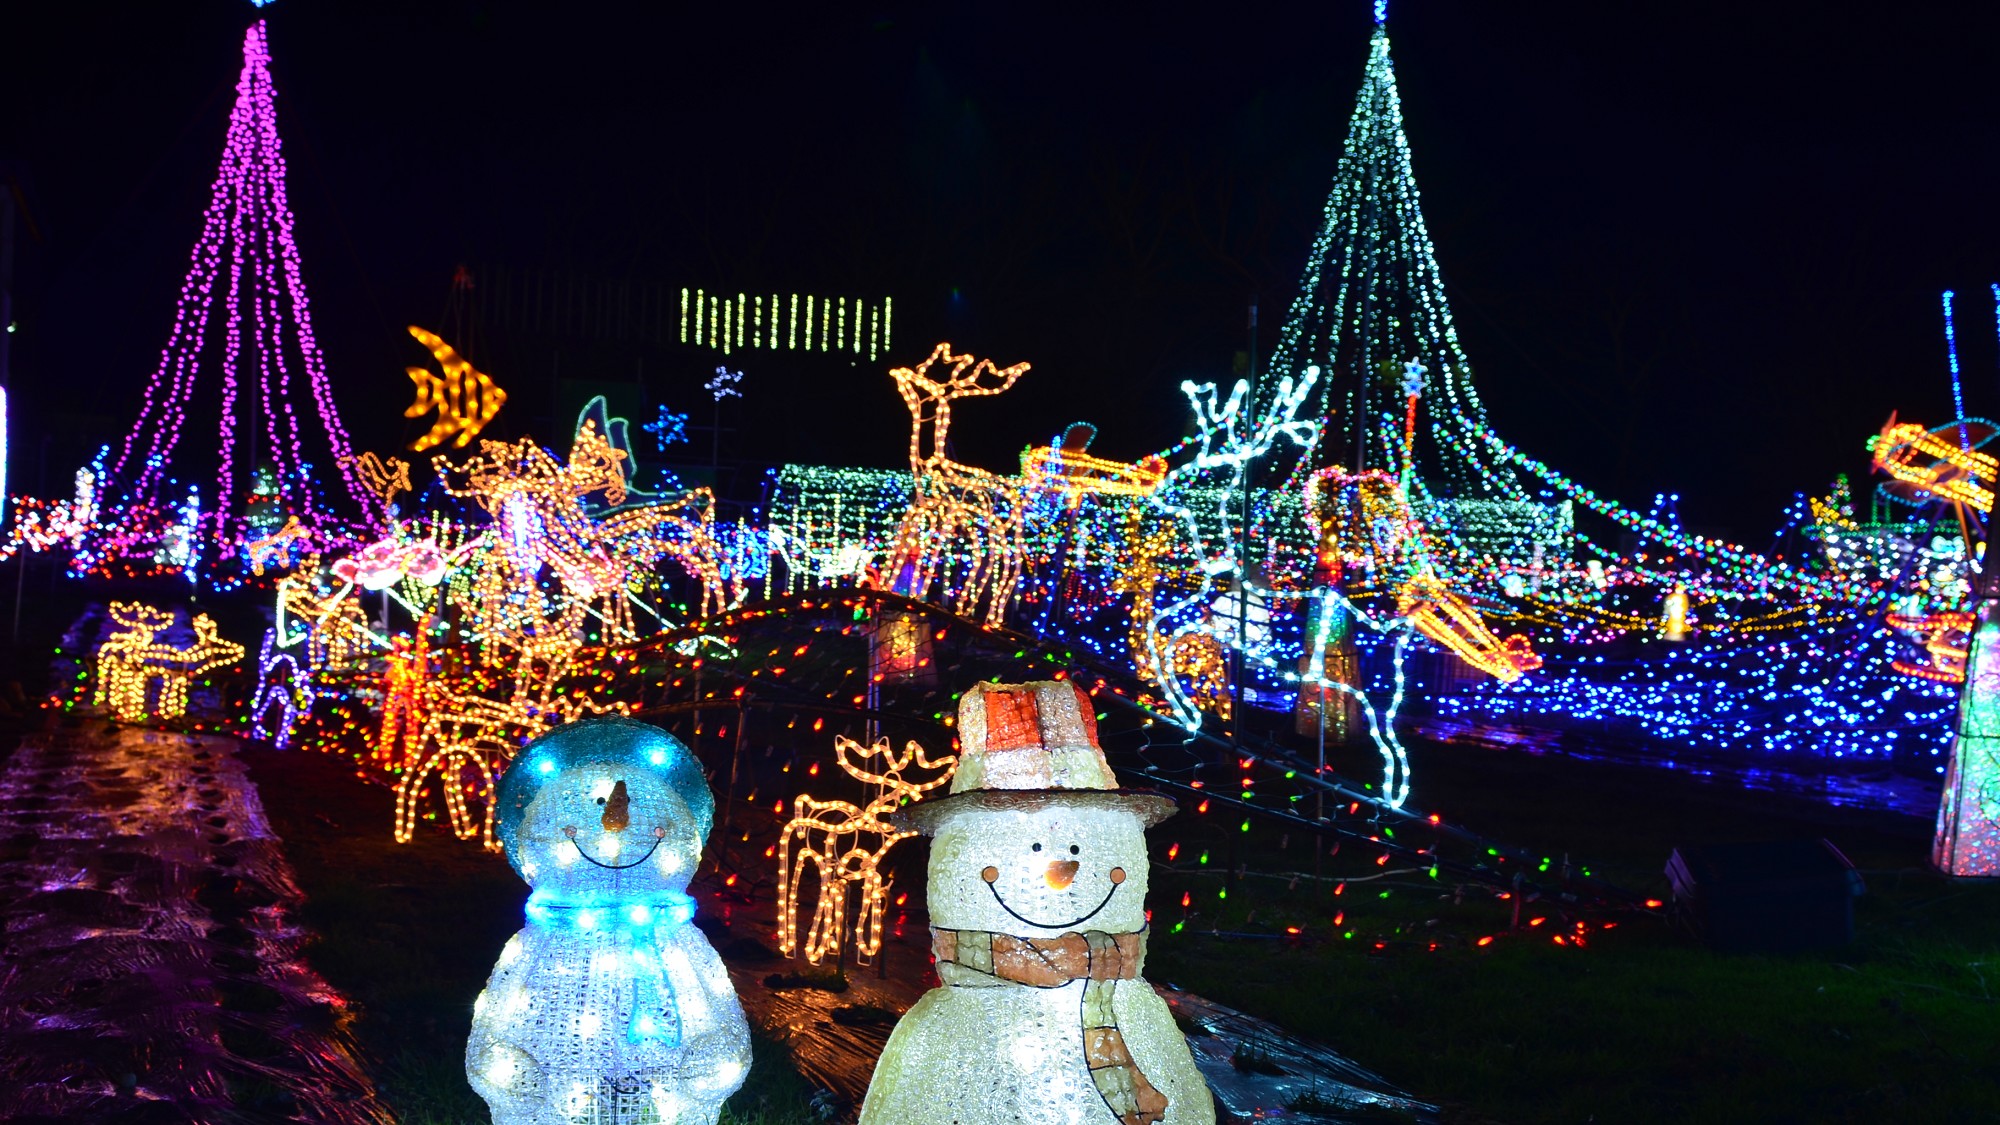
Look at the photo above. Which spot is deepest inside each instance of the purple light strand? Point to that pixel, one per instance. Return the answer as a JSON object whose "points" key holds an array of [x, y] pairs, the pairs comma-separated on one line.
{"points": [[249, 214]]}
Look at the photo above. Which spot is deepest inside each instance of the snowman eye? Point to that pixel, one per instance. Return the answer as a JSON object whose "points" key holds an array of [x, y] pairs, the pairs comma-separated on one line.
{"points": [[1036, 848], [1073, 849], [600, 800]]}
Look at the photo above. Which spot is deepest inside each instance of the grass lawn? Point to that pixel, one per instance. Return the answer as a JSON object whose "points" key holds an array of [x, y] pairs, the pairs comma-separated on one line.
{"points": [[409, 933], [1642, 1024], [1639, 1025]]}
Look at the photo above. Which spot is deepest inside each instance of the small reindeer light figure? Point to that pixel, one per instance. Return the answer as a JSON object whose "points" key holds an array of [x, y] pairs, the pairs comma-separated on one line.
{"points": [[845, 843], [140, 678]]}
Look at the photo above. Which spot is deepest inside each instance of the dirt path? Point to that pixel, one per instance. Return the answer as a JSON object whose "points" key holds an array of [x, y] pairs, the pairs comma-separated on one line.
{"points": [[148, 972]]}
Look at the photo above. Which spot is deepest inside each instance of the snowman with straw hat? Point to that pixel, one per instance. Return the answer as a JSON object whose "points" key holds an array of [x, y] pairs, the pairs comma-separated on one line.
{"points": [[1037, 888]]}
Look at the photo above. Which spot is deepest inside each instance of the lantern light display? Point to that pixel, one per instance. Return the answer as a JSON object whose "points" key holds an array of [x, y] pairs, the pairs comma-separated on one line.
{"points": [[1037, 899], [608, 1006]]}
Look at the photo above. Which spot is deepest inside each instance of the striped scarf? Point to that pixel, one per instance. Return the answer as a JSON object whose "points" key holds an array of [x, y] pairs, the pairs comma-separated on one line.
{"points": [[1100, 958]]}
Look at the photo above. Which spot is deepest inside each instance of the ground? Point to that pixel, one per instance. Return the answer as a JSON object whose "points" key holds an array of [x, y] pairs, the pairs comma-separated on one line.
{"points": [[1642, 1024], [409, 933], [1639, 1025]]}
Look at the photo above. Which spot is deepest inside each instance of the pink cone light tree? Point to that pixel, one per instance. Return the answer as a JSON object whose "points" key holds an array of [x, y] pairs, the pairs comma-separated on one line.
{"points": [[242, 334]]}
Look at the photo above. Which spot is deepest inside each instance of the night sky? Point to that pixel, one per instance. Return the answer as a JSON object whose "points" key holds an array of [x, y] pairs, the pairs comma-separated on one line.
{"points": [[1690, 247]]}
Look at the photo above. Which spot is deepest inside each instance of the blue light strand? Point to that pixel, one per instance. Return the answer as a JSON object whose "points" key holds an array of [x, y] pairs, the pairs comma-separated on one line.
{"points": [[1951, 353], [1826, 691]]}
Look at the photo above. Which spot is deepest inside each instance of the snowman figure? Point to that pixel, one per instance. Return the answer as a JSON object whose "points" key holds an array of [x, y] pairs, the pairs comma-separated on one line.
{"points": [[1038, 922], [609, 1007]]}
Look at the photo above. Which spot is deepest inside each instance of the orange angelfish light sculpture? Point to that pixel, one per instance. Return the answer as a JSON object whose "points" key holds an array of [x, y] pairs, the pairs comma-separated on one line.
{"points": [[464, 397]]}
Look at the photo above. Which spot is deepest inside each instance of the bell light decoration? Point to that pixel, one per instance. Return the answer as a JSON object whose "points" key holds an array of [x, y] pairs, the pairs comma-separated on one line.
{"points": [[609, 1007], [1038, 922]]}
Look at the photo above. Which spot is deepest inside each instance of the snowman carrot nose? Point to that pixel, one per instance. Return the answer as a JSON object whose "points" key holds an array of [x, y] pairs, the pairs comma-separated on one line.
{"points": [[617, 809], [1061, 873]]}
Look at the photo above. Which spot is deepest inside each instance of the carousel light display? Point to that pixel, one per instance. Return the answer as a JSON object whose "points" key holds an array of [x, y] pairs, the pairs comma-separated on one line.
{"points": [[245, 257], [1964, 647], [1931, 462], [465, 398], [141, 677], [843, 844]]}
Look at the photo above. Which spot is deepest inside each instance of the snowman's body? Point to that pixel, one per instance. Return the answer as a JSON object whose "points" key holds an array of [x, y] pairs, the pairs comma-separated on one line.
{"points": [[1022, 1047], [1050, 874], [609, 1007]]}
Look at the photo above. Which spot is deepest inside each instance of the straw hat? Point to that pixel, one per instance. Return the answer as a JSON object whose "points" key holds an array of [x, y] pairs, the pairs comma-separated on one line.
{"points": [[1029, 746]]}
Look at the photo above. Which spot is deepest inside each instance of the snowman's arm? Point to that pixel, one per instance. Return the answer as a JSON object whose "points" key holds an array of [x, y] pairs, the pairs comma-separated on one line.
{"points": [[500, 1062], [714, 1032]]}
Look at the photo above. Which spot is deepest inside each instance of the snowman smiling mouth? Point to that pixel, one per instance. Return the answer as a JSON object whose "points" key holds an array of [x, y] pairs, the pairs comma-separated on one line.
{"points": [[617, 817], [659, 834], [1058, 879]]}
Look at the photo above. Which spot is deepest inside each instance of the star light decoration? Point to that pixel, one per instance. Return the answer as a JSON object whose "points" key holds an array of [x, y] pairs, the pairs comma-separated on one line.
{"points": [[140, 677], [670, 429], [465, 398], [843, 844], [726, 384]]}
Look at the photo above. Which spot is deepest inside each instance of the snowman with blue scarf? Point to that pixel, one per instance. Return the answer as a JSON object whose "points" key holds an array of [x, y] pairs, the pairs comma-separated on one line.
{"points": [[609, 1007]]}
